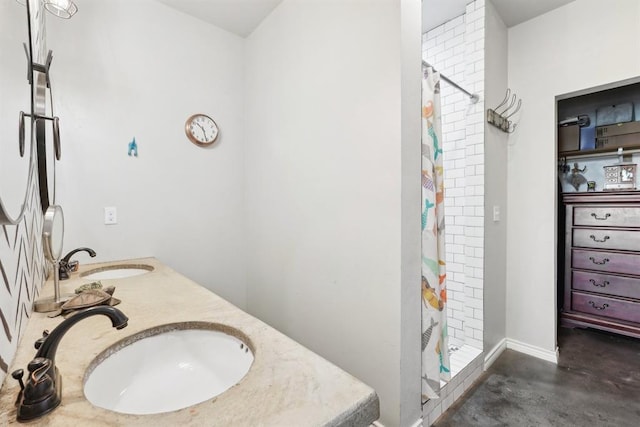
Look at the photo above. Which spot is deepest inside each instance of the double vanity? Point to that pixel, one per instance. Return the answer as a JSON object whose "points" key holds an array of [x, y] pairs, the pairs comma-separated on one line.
{"points": [[186, 357]]}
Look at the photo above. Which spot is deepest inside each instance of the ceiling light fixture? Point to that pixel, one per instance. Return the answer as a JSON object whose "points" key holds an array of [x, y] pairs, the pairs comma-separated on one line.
{"points": [[60, 8]]}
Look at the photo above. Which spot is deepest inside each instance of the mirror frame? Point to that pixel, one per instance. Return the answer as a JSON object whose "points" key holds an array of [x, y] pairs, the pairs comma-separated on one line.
{"points": [[52, 214], [5, 216]]}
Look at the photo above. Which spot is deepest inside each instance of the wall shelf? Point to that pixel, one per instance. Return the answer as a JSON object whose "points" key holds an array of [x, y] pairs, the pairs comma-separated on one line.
{"points": [[608, 152]]}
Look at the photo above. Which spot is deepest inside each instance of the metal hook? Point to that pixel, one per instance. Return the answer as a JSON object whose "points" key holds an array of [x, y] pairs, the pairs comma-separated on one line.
{"points": [[516, 110], [511, 104], [504, 101]]}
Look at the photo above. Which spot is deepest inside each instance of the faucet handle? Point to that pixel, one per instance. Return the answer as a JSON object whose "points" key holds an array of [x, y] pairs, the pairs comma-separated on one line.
{"points": [[38, 368], [41, 341], [40, 387], [17, 375], [72, 266]]}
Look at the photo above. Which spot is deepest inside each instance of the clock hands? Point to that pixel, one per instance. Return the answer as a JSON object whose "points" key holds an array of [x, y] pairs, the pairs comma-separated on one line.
{"points": [[204, 132]]}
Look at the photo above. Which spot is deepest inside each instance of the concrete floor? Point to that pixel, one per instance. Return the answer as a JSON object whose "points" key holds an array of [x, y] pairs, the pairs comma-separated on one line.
{"points": [[595, 383]]}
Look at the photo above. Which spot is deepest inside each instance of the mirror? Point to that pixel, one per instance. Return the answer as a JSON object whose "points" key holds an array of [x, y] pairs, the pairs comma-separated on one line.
{"points": [[16, 171], [52, 242], [41, 99], [53, 233]]}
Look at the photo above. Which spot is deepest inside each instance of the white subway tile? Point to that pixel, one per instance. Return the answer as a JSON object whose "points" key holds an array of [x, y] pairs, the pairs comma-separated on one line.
{"points": [[478, 334], [474, 242], [476, 343], [454, 267], [454, 60], [474, 282], [468, 293], [469, 9], [435, 413], [459, 277], [452, 322], [453, 42], [475, 323], [456, 22], [475, 179], [435, 32], [475, 221]]}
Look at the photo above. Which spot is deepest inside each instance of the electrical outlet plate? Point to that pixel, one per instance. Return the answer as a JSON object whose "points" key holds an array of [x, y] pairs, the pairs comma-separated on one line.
{"points": [[110, 215]]}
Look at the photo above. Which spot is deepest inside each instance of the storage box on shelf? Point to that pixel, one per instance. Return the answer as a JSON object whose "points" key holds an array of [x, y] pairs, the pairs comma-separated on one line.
{"points": [[602, 272]]}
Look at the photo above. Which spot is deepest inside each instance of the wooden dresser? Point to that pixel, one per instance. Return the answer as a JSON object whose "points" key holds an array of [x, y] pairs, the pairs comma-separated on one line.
{"points": [[602, 261]]}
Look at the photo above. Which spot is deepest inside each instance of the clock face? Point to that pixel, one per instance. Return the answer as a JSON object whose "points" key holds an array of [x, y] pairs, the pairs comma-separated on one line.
{"points": [[201, 129]]}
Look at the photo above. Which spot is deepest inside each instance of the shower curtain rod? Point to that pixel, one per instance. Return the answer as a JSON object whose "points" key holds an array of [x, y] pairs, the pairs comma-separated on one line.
{"points": [[474, 98]]}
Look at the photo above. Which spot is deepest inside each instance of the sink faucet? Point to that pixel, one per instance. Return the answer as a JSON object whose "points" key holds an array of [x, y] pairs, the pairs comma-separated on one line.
{"points": [[41, 394], [67, 266]]}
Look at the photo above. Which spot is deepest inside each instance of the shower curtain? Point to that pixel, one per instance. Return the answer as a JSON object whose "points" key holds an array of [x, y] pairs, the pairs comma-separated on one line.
{"points": [[435, 358]]}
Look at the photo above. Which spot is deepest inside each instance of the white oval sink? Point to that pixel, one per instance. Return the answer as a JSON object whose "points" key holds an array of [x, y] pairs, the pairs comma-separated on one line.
{"points": [[119, 271], [168, 368]]}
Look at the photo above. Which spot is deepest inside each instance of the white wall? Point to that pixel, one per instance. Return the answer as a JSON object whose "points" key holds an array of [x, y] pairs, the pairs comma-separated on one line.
{"points": [[495, 161], [411, 209], [138, 68], [323, 162], [556, 53]]}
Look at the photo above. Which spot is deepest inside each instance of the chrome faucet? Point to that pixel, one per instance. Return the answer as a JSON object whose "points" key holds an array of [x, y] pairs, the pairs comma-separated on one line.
{"points": [[42, 392], [67, 266]]}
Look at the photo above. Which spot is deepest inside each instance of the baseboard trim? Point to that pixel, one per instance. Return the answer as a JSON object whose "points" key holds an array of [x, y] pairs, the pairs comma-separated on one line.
{"points": [[540, 353], [494, 353], [379, 424]]}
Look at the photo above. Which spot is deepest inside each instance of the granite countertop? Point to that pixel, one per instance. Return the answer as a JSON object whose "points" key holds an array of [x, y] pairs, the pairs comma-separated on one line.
{"points": [[287, 384]]}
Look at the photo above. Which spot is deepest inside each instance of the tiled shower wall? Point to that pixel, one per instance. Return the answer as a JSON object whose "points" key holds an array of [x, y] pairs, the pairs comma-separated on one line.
{"points": [[456, 49], [22, 264]]}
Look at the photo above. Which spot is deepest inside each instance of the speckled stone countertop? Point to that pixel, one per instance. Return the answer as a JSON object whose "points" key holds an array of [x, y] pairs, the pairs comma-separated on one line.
{"points": [[287, 385]]}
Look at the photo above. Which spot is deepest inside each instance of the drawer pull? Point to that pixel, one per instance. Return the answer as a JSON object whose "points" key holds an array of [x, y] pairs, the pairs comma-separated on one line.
{"points": [[604, 239], [602, 307], [603, 262], [595, 215], [602, 285]]}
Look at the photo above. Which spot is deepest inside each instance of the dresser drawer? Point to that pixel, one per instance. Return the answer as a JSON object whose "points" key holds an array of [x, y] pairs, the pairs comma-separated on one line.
{"points": [[605, 261], [607, 216], [603, 238], [607, 307], [606, 284]]}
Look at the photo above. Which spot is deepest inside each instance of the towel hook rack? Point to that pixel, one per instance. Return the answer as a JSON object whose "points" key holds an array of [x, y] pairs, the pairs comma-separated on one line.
{"points": [[499, 116]]}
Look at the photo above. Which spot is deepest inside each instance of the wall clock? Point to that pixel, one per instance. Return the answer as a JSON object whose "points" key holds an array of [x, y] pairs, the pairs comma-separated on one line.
{"points": [[201, 130]]}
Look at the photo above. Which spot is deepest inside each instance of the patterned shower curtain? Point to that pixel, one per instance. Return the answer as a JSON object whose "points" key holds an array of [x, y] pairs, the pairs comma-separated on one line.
{"points": [[435, 358]]}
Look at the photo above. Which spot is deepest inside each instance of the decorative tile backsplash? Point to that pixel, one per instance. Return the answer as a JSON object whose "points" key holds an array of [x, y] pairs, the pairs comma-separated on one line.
{"points": [[22, 273]]}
